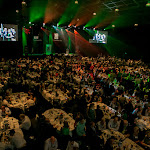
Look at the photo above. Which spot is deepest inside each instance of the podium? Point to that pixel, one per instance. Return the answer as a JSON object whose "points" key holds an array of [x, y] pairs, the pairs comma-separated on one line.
{"points": [[48, 49]]}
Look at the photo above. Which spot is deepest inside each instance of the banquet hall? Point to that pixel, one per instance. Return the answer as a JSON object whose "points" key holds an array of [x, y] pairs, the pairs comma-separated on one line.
{"points": [[74, 75]]}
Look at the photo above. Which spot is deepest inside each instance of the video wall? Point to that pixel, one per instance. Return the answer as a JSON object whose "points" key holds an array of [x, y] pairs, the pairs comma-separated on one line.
{"points": [[8, 32], [99, 37]]}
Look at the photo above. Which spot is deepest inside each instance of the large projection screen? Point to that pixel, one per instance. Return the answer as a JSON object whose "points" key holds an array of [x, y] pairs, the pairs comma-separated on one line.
{"points": [[8, 32], [99, 37]]}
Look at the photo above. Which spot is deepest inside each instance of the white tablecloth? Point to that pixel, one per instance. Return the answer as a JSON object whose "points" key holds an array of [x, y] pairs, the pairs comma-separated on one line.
{"points": [[53, 116], [21, 102]]}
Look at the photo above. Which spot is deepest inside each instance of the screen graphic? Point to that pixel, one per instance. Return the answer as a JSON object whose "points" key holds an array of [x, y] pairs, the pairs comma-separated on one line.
{"points": [[8, 32], [99, 37]]}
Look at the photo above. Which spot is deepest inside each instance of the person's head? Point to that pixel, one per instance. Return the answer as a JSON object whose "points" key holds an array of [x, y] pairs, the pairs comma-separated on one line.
{"points": [[136, 129], [148, 133], [78, 114], [111, 140], [82, 121], [91, 106], [52, 139], [3, 108], [98, 107], [114, 99], [22, 116], [66, 124], [86, 95], [125, 122], [103, 120], [92, 124], [116, 119]]}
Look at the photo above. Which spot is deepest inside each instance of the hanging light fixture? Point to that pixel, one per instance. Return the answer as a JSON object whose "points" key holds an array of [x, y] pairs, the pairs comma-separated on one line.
{"points": [[23, 3], [136, 25], [76, 2], [116, 10], [113, 26]]}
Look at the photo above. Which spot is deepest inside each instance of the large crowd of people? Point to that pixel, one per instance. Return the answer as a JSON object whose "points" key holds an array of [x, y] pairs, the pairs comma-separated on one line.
{"points": [[106, 97]]}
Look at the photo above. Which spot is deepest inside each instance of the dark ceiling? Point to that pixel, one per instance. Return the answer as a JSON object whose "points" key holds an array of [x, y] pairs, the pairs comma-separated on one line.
{"points": [[132, 9]]}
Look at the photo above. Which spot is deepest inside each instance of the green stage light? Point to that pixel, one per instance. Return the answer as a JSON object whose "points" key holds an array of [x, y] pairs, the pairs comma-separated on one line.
{"points": [[37, 10], [69, 13], [97, 18]]}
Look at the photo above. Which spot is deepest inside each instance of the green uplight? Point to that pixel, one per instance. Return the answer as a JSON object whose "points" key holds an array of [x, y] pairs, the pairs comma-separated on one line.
{"points": [[69, 44], [51, 40], [24, 40]]}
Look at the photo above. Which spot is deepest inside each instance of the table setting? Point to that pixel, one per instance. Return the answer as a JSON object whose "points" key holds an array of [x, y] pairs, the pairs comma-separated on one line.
{"points": [[143, 123], [7, 124], [57, 118], [51, 96], [120, 140], [18, 100]]}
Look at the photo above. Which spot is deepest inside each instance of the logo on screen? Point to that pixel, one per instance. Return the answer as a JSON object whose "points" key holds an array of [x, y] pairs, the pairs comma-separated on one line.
{"points": [[8, 32], [99, 37]]}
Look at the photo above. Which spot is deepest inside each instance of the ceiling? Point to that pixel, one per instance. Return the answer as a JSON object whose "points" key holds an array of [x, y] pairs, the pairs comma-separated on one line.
{"points": [[66, 11]]}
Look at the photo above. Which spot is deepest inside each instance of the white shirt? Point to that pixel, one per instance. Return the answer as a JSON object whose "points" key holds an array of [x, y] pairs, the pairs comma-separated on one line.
{"points": [[26, 123], [49, 146], [70, 146], [18, 140]]}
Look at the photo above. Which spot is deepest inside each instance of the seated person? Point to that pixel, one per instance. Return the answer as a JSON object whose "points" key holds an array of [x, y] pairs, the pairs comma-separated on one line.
{"points": [[101, 125], [92, 136], [122, 100], [114, 124], [17, 140], [147, 112], [72, 145], [136, 135], [124, 128], [109, 144], [114, 103], [80, 129], [99, 113], [78, 117], [51, 144], [25, 122], [4, 111], [91, 113], [65, 129]]}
